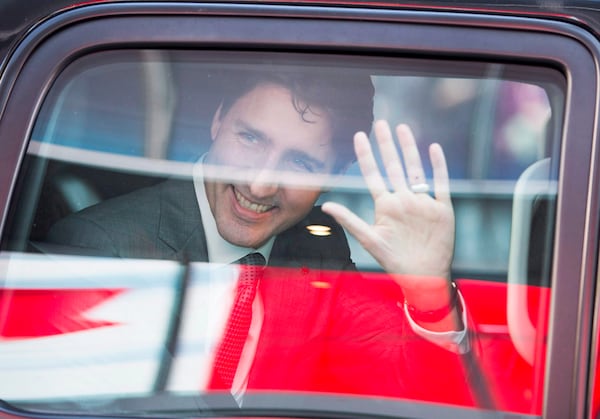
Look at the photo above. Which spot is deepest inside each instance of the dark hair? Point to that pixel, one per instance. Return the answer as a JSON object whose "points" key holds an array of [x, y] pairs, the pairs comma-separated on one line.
{"points": [[345, 95]]}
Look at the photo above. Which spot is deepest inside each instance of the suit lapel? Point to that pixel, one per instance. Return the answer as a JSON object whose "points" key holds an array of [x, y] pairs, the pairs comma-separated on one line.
{"points": [[180, 226]]}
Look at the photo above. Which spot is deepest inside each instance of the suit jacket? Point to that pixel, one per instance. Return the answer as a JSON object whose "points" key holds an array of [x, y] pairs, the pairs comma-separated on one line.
{"points": [[326, 328]]}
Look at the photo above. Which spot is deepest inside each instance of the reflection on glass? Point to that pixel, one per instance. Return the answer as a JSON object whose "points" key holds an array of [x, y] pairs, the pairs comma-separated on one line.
{"points": [[144, 202]]}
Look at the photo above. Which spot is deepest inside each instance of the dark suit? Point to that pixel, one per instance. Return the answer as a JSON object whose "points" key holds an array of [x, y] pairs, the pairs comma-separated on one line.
{"points": [[325, 327]]}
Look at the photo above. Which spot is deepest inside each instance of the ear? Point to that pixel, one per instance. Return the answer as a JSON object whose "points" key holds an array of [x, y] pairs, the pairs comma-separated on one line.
{"points": [[215, 126]]}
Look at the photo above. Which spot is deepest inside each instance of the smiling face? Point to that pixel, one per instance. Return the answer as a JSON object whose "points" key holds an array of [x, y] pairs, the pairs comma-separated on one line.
{"points": [[261, 137]]}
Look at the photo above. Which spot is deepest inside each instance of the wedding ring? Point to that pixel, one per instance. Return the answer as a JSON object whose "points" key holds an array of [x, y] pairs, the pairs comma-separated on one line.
{"points": [[420, 188]]}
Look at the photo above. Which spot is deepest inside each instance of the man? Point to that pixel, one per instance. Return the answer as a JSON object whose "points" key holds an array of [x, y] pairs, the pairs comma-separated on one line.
{"points": [[276, 139]]}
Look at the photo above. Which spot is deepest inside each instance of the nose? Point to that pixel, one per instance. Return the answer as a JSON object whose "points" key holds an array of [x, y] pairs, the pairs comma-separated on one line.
{"points": [[264, 183]]}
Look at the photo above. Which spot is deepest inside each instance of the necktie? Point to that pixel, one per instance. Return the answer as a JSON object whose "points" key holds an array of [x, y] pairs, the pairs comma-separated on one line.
{"points": [[238, 324]]}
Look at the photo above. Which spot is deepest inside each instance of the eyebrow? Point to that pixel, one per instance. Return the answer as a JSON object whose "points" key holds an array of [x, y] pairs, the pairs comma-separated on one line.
{"points": [[240, 124]]}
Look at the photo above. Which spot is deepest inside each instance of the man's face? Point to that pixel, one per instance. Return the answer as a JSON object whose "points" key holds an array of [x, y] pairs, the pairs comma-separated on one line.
{"points": [[261, 140]]}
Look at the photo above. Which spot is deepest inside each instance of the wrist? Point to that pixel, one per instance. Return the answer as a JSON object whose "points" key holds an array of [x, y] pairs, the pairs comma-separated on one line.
{"points": [[437, 313]]}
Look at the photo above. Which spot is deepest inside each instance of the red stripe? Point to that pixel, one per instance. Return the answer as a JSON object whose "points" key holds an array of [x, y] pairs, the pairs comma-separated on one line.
{"points": [[35, 313]]}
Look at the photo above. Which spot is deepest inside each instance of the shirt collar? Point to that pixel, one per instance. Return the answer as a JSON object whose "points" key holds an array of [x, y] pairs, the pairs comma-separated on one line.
{"points": [[219, 249]]}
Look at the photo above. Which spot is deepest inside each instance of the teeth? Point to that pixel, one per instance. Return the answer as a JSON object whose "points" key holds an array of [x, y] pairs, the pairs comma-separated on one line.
{"points": [[252, 206]]}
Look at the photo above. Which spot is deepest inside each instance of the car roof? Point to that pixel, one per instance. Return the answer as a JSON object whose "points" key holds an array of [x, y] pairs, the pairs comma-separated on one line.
{"points": [[21, 16]]}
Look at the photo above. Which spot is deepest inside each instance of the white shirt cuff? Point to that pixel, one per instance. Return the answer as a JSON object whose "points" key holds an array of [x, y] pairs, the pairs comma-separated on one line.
{"points": [[454, 341]]}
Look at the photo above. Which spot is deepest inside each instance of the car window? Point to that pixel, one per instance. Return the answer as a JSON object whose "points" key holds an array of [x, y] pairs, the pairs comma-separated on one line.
{"points": [[131, 151]]}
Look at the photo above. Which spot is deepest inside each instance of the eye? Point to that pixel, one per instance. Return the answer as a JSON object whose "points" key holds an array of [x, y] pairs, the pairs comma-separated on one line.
{"points": [[248, 137], [302, 165]]}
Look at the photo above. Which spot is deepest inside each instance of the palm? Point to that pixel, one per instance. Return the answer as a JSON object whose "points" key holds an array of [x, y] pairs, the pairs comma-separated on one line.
{"points": [[412, 235], [419, 229]]}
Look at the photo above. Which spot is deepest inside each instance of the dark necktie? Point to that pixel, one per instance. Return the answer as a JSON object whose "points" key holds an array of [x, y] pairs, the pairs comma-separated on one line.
{"points": [[238, 324]]}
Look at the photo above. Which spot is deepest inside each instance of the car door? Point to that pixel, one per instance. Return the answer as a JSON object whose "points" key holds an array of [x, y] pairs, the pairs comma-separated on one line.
{"points": [[108, 101]]}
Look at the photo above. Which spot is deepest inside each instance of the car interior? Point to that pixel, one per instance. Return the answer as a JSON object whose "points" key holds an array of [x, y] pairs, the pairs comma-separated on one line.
{"points": [[93, 141]]}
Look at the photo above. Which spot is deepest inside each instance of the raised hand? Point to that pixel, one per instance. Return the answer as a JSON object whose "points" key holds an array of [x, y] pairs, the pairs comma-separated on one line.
{"points": [[412, 236]]}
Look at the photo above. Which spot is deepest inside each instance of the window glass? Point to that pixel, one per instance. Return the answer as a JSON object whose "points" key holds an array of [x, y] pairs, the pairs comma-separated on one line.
{"points": [[150, 174]]}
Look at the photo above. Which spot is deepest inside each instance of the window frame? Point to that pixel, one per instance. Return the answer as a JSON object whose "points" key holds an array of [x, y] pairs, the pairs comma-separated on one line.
{"points": [[58, 41]]}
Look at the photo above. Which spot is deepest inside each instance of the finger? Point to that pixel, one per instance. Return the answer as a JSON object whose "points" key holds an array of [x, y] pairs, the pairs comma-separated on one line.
{"points": [[410, 152], [355, 225], [368, 165], [389, 155], [441, 180]]}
